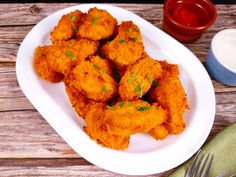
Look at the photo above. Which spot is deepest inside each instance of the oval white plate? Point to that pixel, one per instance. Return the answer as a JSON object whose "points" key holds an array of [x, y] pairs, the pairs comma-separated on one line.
{"points": [[144, 155]]}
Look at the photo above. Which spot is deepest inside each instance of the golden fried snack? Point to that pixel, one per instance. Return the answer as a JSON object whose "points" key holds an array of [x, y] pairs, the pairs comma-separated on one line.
{"points": [[92, 82], [159, 132], [63, 55], [138, 79], [104, 65], [170, 95], [126, 118], [81, 103], [96, 25], [127, 47], [67, 26], [96, 129], [129, 30], [41, 66]]}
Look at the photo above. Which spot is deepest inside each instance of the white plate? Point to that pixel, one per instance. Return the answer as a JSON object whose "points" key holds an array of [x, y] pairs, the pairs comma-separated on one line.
{"points": [[144, 155]]}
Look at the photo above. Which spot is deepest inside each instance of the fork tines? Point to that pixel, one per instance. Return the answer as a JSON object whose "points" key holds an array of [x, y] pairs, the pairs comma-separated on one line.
{"points": [[201, 164]]}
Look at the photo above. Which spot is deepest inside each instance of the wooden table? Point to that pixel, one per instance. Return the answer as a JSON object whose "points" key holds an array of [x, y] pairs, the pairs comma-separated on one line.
{"points": [[28, 145]]}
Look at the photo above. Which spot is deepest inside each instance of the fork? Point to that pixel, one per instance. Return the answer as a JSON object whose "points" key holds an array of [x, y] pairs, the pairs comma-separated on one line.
{"points": [[201, 165]]}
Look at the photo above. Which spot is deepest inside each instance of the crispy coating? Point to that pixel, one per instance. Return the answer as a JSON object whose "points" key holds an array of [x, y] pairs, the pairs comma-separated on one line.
{"points": [[63, 55], [96, 25], [92, 82], [42, 67], [127, 47], [126, 118], [67, 26], [81, 103], [96, 129], [170, 95], [108, 75], [138, 79], [129, 30], [103, 64], [159, 132]]}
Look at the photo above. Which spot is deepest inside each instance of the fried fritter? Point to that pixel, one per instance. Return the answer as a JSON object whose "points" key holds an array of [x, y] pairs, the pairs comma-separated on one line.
{"points": [[159, 132], [96, 25], [104, 65], [170, 95], [63, 55], [96, 129], [129, 30], [126, 118], [81, 103], [138, 78], [127, 47], [67, 26], [42, 67], [92, 82]]}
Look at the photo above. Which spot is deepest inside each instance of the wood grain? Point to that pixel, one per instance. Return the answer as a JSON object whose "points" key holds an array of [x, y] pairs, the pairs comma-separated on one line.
{"points": [[25, 134], [56, 167], [28, 145]]}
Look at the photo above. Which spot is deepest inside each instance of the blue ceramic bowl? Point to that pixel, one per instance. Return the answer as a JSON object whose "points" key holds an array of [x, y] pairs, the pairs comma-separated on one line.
{"points": [[221, 57]]}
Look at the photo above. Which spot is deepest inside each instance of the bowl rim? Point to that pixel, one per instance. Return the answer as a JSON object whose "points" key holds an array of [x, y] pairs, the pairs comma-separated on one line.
{"points": [[201, 27], [213, 41]]}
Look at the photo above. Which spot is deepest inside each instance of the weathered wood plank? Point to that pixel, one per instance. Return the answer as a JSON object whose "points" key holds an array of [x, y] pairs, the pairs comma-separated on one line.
{"points": [[13, 29], [26, 134], [32, 13], [57, 167], [60, 167], [72, 171], [43, 162]]}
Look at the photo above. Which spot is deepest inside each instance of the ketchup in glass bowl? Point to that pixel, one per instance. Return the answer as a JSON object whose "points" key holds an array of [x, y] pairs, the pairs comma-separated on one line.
{"points": [[186, 20]]}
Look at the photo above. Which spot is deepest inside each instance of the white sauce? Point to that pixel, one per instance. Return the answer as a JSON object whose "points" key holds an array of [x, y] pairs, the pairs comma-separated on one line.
{"points": [[227, 55], [225, 48]]}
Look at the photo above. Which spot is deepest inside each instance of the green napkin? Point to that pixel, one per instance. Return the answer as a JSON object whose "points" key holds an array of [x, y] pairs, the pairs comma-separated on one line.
{"points": [[223, 145]]}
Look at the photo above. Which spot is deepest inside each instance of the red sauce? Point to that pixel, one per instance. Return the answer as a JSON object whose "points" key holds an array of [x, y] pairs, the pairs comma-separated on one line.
{"points": [[189, 14]]}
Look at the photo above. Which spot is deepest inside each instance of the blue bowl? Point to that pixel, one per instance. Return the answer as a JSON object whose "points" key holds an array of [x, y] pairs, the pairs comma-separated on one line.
{"points": [[221, 57]]}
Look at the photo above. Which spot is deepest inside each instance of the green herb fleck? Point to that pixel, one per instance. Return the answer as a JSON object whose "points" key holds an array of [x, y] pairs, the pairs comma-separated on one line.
{"points": [[155, 83], [132, 74], [73, 18], [129, 104], [102, 55], [101, 71], [129, 81], [130, 30], [143, 108], [122, 41], [76, 28], [96, 67], [110, 107], [104, 88], [135, 39], [43, 53], [121, 104], [94, 20], [69, 54], [149, 78], [137, 89]]}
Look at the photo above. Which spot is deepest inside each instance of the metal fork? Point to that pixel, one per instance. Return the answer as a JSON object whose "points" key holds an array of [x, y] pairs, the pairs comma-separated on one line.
{"points": [[201, 165]]}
